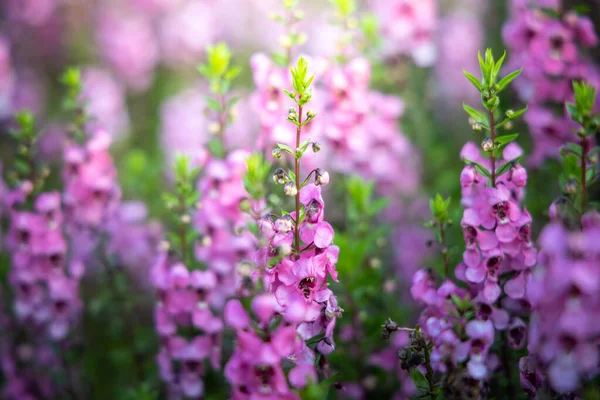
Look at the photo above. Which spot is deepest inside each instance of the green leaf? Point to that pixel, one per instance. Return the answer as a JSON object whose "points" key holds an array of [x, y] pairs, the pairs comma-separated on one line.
{"points": [[478, 116], [233, 101], [216, 148], [590, 175], [473, 80], [419, 380], [480, 168], [504, 168], [285, 148], [302, 148], [508, 79], [572, 148], [213, 104], [506, 139]]}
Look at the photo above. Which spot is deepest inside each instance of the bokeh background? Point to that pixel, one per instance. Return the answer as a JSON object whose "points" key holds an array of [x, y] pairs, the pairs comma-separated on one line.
{"points": [[139, 58]]}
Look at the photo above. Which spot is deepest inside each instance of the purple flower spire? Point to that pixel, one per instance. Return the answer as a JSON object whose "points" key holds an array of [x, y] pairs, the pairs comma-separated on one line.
{"points": [[564, 289], [551, 48]]}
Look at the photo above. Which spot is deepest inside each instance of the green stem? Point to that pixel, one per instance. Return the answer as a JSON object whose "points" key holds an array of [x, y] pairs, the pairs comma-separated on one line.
{"points": [[493, 153], [444, 251], [429, 371], [182, 230], [583, 173], [297, 172]]}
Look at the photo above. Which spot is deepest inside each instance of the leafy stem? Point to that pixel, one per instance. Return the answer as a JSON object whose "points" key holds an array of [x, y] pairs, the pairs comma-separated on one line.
{"points": [[493, 152], [297, 172]]}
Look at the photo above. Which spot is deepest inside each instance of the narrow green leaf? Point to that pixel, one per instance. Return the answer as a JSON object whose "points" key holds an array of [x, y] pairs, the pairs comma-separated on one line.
{"points": [[480, 168], [473, 80], [506, 139], [213, 104], [285, 148], [572, 148], [478, 116], [508, 79], [419, 380]]}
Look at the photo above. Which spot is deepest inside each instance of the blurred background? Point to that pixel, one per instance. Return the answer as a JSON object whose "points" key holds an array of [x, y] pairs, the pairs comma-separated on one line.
{"points": [[138, 61]]}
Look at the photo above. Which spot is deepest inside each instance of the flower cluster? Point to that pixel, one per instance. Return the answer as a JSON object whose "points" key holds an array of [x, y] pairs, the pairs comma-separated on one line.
{"points": [[495, 228], [184, 305], [299, 254], [189, 329], [564, 287], [497, 231], [262, 349], [224, 244], [547, 43], [409, 28]]}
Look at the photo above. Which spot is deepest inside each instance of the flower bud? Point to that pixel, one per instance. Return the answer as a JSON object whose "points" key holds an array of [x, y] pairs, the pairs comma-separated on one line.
{"points": [[290, 189], [316, 147], [487, 144], [321, 177], [310, 114], [305, 97], [292, 110], [509, 113], [571, 186], [518, 175], [276, 153], [468, 176], [245, 205], [476, 127], [185, 219], [508, 126], [280, 176], [292, 117], [492, 103]]}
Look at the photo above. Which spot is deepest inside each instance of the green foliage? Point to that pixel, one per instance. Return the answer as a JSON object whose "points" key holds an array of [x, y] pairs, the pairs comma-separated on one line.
{"points": [[301, 82], [218, 70], [256, 176], [71, 103], [419, 380], [585, 98], [345, 8], [439, 208]]}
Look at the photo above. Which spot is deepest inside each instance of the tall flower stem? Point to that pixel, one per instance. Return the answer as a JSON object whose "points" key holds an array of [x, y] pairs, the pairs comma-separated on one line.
{"points": [[297, 172], [583, 173], [182, 229], [493, 152], [444, 250]]}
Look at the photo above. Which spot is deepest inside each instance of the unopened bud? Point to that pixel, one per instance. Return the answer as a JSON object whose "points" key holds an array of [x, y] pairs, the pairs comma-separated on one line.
{"points": [[245, 205], [492, 103], [285, 41], [185, 219], [310, 114], [316, 147], [276, 153], [292, 117], [305, 97], [509, 113], [214, 127], [508, 126], [290, 189], [476, 127], [280, 177], [164, 246], [291, 110], [321, 177], [571, 186], [487, 144]]}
